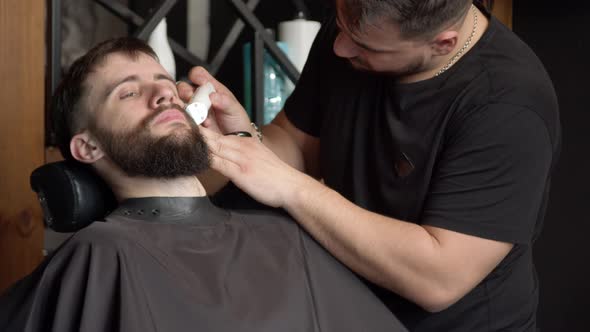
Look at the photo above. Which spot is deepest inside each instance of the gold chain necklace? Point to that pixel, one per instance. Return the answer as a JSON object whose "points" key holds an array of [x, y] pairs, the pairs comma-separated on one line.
{"points": [[465, 46]]}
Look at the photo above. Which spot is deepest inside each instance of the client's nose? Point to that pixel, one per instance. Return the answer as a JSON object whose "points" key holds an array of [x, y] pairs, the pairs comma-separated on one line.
{"points": [[162, 95]]}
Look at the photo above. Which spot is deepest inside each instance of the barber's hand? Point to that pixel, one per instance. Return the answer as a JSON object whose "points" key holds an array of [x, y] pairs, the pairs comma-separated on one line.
{"points": [[227, 114], [254, 168]]}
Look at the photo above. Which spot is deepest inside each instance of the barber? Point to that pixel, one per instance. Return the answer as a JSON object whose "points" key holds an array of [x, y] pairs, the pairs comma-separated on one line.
{"points": [[434, 130]]}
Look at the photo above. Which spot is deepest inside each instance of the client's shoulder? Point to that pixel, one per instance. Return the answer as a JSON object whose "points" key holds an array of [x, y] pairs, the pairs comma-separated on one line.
{"points": [[272, 228], [262, 217], [102, 234]]}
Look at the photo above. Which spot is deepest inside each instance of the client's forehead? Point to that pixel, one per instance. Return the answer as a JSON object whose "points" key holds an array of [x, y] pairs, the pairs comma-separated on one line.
{"points": [[118, 67], [121, 64]]}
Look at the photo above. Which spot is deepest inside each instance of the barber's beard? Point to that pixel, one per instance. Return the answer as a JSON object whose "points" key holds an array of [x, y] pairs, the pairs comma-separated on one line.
{"points": [[416, 65], [138, 153]]}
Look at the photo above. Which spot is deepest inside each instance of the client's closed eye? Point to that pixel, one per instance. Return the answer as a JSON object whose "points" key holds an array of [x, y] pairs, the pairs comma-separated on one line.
{"points": [[129, 94]]}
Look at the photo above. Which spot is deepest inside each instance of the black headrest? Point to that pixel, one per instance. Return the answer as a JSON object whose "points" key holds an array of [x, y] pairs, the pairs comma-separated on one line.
{"points": [[72, 195]]}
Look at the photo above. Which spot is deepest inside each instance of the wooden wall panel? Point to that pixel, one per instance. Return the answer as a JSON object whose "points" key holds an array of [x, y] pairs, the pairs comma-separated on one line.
{"points": [[22, 57], [503, 11]]}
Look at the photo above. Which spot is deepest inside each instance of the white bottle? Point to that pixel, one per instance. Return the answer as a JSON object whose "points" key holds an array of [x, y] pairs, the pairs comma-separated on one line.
{"points": [[299, 35], [199, 105], [159, 42]]}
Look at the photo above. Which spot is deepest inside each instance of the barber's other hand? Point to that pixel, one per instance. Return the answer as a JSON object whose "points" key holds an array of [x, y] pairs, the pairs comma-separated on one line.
{"points": [[227, 114], [254, 168]]}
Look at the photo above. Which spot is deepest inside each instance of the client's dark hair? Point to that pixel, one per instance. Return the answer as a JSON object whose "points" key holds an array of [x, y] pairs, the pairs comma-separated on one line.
{"points": [[68, 115], [415, 18]]}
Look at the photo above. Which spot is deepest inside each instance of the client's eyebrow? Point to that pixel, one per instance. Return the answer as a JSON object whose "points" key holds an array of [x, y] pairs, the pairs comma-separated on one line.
{"points": [[164, 77], [134, 78]]}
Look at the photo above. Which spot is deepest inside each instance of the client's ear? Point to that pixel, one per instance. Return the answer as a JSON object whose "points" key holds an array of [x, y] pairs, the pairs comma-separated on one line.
{"points": [[84, 148]]}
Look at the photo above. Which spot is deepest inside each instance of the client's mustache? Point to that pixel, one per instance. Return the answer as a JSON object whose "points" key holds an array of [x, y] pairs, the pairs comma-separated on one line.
{"points": [[148, 119]]}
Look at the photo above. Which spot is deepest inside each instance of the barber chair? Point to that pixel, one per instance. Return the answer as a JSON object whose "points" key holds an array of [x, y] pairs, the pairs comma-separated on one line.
{"points": [[72, 196]]}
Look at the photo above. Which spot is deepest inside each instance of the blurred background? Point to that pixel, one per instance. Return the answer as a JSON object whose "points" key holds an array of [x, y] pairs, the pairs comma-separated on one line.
{"points": [[558, 32]]}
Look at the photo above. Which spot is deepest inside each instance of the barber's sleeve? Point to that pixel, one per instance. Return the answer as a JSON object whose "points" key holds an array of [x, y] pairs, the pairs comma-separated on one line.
{"points": [[303, 106], [492, 176]]}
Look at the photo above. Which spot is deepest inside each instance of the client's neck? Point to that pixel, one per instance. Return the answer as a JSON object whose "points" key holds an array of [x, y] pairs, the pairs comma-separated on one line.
{"points": [[126, 187]]}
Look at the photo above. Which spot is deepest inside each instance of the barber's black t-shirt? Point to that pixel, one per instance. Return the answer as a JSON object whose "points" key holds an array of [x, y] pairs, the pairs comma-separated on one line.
{"points": [[471, 150]]}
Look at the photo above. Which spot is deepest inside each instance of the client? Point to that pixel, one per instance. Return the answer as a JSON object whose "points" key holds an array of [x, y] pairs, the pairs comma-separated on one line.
{"points": [[167, 259]]}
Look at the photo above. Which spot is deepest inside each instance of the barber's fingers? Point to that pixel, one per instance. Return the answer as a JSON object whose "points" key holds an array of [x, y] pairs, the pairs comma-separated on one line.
{"points": [[227, 105], [211, 123], [225, 167], [252, 167], [225, 154], [185, 91], [200, 76], [230, 114], [219, 144]]}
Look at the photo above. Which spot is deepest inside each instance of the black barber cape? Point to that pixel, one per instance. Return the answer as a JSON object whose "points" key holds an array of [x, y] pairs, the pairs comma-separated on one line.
{"points": [[182, 264]]}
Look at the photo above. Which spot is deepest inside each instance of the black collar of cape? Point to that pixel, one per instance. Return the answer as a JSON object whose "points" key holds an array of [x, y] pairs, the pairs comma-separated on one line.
{"points": [[190, 210]]}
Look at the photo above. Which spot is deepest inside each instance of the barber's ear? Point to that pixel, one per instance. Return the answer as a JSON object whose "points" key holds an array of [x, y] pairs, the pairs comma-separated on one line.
{"points": [[445, 42], [84, 148]]}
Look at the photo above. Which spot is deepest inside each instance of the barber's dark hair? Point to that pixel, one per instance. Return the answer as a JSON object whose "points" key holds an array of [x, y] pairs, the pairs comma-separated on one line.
{"points": [[415, 18], [68, 115]]}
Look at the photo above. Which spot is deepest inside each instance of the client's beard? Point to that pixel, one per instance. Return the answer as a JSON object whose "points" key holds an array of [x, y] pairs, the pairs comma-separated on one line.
{"points": [[138, 153]]}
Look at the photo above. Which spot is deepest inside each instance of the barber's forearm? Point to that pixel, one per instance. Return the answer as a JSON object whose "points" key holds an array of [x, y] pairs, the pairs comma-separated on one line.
{"points": [[277, 140], [400, 256]]}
